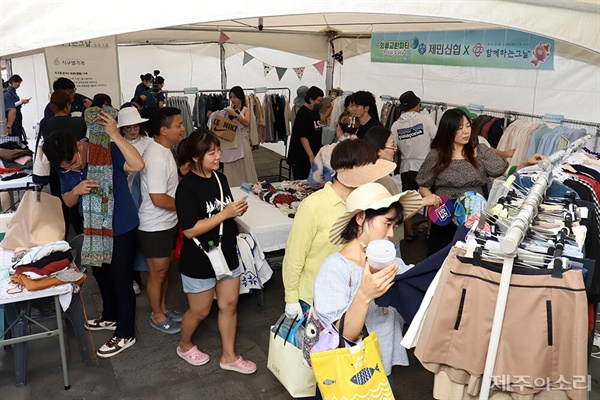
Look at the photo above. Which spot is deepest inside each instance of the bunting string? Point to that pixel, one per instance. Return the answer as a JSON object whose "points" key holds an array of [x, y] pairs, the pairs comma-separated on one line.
{"points": [[352, 47]]}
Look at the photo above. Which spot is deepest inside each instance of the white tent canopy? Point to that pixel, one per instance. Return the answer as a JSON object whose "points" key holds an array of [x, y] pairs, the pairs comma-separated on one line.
{"points": [[174, 36], [27, 26]]}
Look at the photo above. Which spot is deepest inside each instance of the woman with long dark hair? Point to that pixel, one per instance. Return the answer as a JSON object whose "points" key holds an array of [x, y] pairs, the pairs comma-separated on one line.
{"points": [[456, 164], [238, 162]]}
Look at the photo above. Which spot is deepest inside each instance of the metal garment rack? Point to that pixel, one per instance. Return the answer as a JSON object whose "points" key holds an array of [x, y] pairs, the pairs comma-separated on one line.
{"points": [[283, 164], [441, 106], [257, 90], [509, 245]]}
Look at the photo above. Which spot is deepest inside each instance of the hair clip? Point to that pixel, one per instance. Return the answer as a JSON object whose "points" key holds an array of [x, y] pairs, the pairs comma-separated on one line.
{"points": [[351, 122]]}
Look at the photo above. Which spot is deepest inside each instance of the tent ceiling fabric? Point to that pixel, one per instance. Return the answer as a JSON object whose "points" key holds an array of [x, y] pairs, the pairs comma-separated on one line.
{"points": [[29, 26]]}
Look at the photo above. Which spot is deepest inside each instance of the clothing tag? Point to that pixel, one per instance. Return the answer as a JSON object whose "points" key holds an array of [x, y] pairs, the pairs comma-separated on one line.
{"points": [[584, 212]]}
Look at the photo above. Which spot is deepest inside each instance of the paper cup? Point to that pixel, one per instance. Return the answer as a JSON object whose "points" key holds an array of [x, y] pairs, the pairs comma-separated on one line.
{"points": [[380, 254]]}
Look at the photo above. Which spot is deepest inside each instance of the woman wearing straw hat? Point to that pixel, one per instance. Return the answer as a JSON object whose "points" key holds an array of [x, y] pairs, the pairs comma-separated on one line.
{"points": [[345, 283], [355, 163]]}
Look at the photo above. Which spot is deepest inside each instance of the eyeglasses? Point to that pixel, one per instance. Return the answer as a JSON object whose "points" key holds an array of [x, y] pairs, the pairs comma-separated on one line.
{"points": [[72, 164], [391, 148], [130, 128]]}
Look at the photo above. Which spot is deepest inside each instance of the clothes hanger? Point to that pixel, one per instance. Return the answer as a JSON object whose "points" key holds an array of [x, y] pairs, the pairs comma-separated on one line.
{"points": [[543, 240]]}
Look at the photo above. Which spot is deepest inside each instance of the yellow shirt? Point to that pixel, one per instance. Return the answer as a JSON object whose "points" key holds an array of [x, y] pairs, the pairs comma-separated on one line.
{"points": [[308, 244]]}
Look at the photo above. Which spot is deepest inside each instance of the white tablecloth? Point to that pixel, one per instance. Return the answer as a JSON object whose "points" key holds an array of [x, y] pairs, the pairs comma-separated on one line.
{"points": [[20, 183], [269, 226]]}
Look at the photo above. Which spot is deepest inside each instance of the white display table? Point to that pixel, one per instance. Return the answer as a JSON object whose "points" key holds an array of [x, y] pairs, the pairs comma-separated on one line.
{"points": [[267, 225]]}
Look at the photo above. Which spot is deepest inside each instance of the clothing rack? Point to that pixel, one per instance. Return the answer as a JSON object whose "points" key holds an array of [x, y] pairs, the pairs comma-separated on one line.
{"points": [[509, 245], [256, 90], [442, 106]]}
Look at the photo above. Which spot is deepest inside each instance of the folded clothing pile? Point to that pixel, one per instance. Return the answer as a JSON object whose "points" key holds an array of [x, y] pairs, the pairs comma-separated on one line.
{"points": [[45, 266], [285, 195]]}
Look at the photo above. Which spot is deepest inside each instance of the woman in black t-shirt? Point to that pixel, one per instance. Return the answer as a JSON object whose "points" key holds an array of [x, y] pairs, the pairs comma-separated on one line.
{"points": [[306, 134], [201, 209]]}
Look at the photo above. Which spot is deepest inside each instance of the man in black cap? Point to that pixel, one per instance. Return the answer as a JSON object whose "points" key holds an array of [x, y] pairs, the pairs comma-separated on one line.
{"points": [[413, 133]]}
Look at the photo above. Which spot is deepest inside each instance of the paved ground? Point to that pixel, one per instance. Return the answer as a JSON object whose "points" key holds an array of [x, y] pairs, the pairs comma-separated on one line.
{"points": [[152, 370]]}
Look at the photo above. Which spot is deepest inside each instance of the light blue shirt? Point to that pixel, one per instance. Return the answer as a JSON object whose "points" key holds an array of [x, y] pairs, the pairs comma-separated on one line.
{"points": [[335, 287], [536, 139]]}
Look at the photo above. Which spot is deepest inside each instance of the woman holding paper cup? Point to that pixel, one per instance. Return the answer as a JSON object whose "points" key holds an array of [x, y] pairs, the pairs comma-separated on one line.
{"points": [[206, 209], [366, 228]]}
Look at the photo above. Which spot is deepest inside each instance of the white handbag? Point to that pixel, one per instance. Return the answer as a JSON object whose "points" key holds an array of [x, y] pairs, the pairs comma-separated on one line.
{"points": [[285, 361], [41, 165]]}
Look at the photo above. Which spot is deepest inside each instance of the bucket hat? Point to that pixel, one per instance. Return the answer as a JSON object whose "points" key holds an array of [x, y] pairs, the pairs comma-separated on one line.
{"points": [[300, 95], [409, 100], [129, 116], [372, 196]]}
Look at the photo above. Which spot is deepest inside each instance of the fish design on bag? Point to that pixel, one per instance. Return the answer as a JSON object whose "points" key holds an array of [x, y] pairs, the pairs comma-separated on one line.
{"points": [[328, 382], [364, 375]]}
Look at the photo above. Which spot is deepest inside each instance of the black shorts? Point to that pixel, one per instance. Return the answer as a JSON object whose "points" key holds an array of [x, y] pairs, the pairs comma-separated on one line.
{"points": [[409, 180], [158, 244]]}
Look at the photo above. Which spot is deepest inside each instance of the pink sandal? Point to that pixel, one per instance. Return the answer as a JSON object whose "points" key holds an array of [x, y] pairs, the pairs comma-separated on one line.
{"points": [[240, 365], [193, 356]]}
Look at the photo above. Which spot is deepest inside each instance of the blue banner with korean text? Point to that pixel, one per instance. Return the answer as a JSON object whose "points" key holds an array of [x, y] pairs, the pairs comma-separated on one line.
{"points": [[492, 48]]}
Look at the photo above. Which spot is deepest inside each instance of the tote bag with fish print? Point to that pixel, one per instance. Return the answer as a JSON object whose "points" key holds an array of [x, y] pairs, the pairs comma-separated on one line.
{"points": [[352, 372]]}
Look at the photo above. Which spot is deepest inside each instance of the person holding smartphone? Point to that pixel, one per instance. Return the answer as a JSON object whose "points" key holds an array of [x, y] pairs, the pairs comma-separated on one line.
{"points": [[12, 105], [204, 203]]}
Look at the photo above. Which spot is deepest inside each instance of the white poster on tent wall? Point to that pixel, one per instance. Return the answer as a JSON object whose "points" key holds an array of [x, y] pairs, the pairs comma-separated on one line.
{"points": [[92, 65]]}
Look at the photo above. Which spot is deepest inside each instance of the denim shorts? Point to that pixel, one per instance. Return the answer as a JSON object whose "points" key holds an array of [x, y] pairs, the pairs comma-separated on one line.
{"points": [[195, 285]]}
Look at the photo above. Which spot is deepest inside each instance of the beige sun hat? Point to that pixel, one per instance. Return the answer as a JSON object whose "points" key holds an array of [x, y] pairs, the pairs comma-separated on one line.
{"points": [[357, 176], [372, 196]]}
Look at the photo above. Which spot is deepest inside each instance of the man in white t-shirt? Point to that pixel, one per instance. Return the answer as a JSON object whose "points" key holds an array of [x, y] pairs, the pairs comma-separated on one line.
{"points": [[413, 133], [157, 230]]}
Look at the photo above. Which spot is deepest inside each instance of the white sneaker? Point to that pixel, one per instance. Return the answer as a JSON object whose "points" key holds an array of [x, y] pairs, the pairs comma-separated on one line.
{"points": [[136, 288], [99, 324], [114, 346], [597, 339]]}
